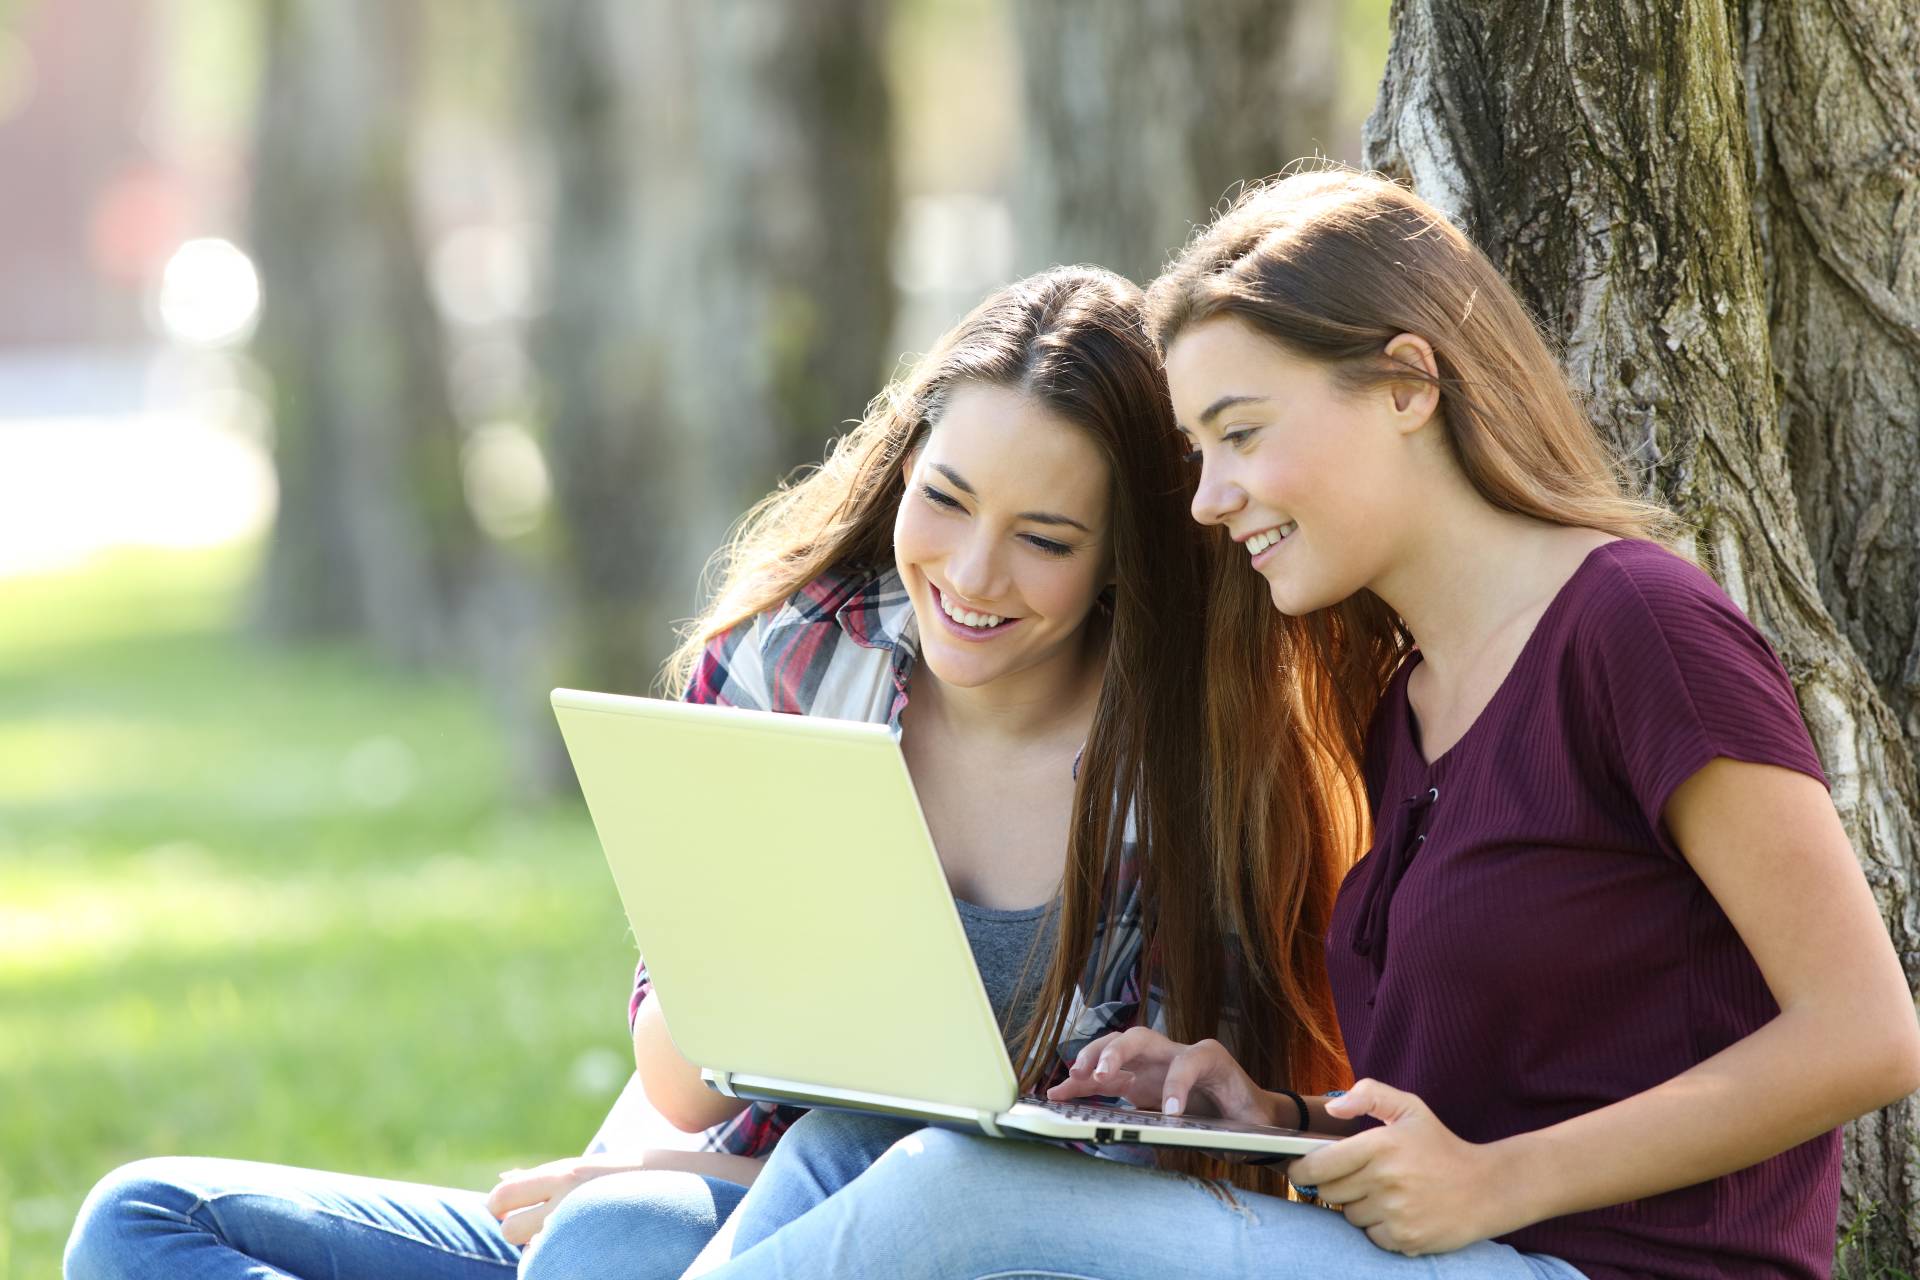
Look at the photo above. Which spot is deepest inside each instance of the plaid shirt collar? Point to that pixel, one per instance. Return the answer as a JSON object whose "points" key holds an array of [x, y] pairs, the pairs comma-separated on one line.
{"points": [[878, 614]]}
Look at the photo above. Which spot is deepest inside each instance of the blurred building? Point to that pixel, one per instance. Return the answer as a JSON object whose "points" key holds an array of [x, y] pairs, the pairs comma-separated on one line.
{"points": [[91, 209]]}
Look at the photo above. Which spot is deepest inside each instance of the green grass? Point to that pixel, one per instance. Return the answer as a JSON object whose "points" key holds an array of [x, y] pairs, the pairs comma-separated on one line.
{"points": [[273, 905]]}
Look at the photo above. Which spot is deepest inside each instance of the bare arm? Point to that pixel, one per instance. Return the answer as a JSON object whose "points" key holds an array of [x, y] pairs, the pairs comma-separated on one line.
{"points": [[1770, 848], [671, 1083], [1768, 845]]}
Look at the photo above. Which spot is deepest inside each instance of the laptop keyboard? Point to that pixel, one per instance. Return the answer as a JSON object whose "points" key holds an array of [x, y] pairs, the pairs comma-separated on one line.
{"points": [[1098, 1113]]}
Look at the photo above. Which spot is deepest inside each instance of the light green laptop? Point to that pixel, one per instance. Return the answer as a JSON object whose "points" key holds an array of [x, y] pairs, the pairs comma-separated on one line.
{"points": [[796, 922]]}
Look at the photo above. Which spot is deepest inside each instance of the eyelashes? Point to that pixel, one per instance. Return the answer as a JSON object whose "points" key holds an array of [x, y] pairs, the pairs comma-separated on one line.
{"points": [[1237, 439], [1045, 546]]}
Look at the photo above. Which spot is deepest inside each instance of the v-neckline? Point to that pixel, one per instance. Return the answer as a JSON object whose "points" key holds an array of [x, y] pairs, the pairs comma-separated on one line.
{"points": [[1409, 721]]}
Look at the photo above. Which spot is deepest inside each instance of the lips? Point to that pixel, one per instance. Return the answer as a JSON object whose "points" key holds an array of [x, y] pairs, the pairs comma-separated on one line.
{"points": [[968, 623]]}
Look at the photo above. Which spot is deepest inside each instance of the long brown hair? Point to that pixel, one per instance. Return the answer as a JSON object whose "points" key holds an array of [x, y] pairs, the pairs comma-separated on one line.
{"points": [[1332, 264], [1074, 338]]}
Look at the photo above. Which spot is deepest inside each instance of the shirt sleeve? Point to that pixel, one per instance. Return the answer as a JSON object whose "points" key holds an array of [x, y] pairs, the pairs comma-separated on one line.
{"points": [[1684, 679], [731, 673]]}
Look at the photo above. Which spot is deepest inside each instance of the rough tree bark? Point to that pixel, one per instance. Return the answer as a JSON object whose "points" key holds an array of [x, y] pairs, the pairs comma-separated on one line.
{"points": [[1833, 104], [372, 536], [1731, 270], [1197, 98], [717, 281]]}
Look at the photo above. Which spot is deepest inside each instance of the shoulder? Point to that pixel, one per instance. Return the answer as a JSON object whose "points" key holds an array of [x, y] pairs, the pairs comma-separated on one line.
{"points": [[821, 600], [1637, 575], [817, 605], [1639, 605], [826, 640], [1666, 659]]}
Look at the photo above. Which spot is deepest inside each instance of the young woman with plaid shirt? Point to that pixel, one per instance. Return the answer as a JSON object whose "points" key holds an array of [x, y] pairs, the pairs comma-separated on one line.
{"points": [[998, 563]]}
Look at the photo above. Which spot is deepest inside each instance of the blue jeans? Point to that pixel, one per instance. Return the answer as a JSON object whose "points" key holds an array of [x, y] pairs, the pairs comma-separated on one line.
{"points": [[206, 1219], [820, 1154], [952, 1206], [645, 1225], [592, 1235]]}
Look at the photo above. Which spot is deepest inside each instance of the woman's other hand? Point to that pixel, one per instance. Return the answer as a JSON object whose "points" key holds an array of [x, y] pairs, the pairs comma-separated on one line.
{"points": [[1412, 1184], [524, 1199]]}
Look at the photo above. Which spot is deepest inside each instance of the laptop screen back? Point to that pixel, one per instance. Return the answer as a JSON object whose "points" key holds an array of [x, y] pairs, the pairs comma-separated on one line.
{"points": [[782, 885]]}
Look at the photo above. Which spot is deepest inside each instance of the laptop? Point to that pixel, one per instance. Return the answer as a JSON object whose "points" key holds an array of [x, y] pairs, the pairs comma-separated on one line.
{"points": [[780, 880]]}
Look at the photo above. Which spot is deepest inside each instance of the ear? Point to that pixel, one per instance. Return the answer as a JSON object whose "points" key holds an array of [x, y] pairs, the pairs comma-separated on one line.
{"points": [[1414, 400]]}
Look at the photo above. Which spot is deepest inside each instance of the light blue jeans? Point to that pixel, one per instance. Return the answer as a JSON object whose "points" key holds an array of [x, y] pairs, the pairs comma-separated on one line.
{"points": [[204, 1219], [593, 1234], [952, 1206]]}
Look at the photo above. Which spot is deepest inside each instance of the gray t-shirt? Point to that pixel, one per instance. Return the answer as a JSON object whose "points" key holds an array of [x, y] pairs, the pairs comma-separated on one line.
{"points": [[1002, 942]]}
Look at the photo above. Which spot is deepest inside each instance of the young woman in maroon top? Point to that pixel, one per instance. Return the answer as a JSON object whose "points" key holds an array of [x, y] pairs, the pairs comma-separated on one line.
{"points": [[1610, 973]]}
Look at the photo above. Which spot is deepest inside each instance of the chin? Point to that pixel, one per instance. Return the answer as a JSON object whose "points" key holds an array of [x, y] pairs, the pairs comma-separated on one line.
{"points": [[961, 675], [1291, 600]]}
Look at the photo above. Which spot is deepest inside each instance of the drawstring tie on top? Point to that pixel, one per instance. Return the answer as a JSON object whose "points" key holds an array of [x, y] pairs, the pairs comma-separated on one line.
{"points": [[1391, 861]]}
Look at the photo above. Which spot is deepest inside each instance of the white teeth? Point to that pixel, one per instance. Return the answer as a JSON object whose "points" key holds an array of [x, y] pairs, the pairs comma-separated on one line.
{"points": [[966, 617], [1261, 541]]}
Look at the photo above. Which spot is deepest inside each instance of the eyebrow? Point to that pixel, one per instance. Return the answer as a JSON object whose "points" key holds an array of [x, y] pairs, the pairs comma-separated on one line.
{"points": [[1214, 410], [1037, 517]]}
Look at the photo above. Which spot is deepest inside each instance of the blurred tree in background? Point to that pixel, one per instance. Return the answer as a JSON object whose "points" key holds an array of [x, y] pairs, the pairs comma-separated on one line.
{"points": [[373, 536], [718, 297], [1141, 117]]}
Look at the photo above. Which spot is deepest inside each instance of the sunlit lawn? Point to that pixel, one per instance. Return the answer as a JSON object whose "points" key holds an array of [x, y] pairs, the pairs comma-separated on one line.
{"points": [[272, 905]]}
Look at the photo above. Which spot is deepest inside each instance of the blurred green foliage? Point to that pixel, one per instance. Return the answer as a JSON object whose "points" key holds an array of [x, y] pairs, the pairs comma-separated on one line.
{"points": [[272, 905]]}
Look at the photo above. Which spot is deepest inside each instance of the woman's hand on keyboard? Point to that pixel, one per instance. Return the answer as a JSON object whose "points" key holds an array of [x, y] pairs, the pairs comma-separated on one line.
{"points": [[1149, 1070]]}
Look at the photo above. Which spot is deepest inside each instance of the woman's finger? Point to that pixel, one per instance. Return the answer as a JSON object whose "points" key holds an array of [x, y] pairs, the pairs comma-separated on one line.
{"points": [[1382, 1234], [1191, 1069], [1090, 1054], [522, 1225], [1342, 1192], [1382, 1102], [532, 1187], [510, 1194], [1364, 1212], [1329, 1164], [1117, 1085]]}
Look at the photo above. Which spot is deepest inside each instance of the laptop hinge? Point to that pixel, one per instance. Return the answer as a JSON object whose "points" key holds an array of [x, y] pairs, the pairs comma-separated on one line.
{"points": [[719, 1081], [793, 1093]]}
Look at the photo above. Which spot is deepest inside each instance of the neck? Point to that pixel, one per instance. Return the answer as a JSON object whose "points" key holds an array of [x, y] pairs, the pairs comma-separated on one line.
{"points": [[1470, 572]]}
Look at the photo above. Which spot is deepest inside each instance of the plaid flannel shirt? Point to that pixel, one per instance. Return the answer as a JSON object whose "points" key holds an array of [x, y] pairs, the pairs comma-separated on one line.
{"points": [[844, 646]]}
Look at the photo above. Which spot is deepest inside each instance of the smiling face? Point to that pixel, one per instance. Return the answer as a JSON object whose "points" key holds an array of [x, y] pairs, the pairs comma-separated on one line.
{"points": [[1002, 537], [1312, 480]]}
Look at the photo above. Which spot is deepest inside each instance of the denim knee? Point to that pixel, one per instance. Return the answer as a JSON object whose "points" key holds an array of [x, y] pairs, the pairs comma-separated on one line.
{"points": [[128, 1204], [634, 1226]]}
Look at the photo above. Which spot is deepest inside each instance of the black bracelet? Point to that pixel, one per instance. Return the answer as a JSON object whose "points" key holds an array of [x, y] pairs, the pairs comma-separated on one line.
{"points": [[1300, 1104]]}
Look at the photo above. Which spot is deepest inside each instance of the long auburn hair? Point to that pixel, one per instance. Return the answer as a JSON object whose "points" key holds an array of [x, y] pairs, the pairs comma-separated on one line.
{"points": [[1332, 264], [1074, 338]]}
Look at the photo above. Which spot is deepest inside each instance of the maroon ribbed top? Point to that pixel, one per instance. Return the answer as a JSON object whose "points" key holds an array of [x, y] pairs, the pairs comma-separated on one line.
{"points": [[1524, 943]]}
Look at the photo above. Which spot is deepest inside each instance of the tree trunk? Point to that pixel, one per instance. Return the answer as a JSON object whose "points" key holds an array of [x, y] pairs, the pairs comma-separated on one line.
{"points": [[1196, 98], [1741, 336], [606, 104], [791, 303], [1833, 104], [372, 536], [718, 287]]}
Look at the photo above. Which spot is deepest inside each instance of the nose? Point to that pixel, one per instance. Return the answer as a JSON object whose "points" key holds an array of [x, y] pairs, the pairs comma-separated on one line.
{"points": [[973, 567], [1216, 497]]}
